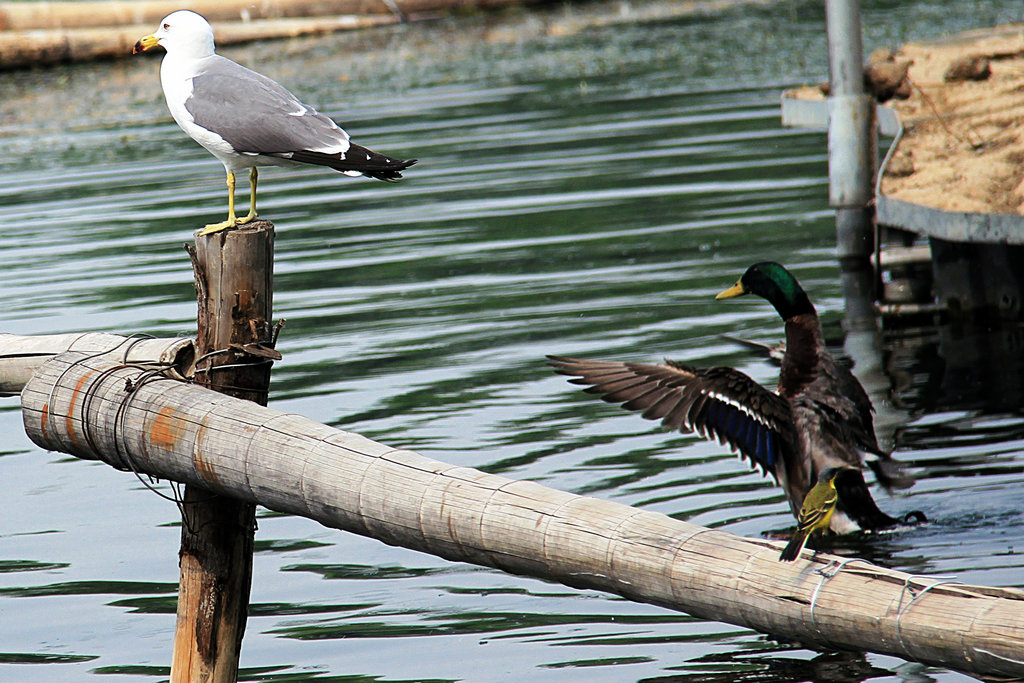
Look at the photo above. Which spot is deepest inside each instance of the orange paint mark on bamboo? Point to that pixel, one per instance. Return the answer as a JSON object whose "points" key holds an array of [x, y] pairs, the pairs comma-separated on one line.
{"points": [[167, 429], [69, 423], [203, 468]]}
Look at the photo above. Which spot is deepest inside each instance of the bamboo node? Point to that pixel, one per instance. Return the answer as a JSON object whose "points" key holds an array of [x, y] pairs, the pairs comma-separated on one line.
{"points": [[828, 572], [903, 609]]}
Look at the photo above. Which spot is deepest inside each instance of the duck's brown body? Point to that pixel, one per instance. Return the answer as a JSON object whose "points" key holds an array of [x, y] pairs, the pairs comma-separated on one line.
{"points": [[821, 416]]}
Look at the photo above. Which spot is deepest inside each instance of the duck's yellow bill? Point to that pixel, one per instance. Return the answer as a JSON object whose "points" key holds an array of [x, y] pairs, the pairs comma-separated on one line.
{"points": [[735, 290]]}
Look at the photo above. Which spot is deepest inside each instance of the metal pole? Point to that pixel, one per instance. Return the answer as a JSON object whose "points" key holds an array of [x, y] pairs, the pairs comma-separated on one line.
{"points": [[851, 157]]}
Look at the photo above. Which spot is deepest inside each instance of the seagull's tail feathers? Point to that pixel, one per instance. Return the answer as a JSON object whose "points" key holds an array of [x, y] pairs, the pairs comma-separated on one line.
{"points": [[358, 160]]}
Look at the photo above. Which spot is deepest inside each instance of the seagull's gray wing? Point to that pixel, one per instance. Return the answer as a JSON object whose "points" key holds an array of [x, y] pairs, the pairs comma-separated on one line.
{"points": [[256, 115]]}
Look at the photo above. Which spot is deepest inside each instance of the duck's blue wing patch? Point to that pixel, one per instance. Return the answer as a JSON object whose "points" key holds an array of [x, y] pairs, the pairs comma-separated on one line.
{"points": [[718, 403]]}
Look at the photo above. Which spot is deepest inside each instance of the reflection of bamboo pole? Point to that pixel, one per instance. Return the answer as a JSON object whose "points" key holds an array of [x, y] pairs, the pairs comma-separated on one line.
{"points": [[21, 356], [294, 465], [234, 284]]}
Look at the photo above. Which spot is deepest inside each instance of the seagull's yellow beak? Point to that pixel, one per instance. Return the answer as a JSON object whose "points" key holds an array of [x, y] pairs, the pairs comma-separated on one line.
{"points": [[145, 43], [736, 290]]}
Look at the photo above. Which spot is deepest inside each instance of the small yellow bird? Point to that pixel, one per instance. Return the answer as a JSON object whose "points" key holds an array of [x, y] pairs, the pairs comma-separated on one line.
{"points": [[815, 513]]}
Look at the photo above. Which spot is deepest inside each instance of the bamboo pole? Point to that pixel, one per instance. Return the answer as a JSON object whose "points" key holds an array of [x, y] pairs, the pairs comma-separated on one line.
{"points": [[234, 286], [35, 33], [21, 16], [19, 49], [294, 465], [20, 356]]}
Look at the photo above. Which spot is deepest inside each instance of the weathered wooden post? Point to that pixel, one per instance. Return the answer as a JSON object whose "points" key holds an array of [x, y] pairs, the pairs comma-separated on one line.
{"points": [[234, 288]]}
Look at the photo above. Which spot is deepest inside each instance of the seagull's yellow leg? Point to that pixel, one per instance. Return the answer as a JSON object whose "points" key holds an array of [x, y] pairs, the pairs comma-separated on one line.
{"points": [[252, 196], [231, 220]]}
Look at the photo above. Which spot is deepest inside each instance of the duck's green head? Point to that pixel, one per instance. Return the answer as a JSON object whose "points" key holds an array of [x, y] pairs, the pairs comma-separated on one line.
{"points": [[771, 281]]}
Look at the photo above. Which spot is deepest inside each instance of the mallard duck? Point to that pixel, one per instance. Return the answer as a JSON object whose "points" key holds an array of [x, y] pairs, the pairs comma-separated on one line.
{"points": [[820, 416]]}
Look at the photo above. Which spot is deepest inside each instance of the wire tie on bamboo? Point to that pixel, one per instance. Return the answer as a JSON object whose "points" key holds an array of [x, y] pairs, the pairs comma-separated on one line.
{"points": [[149, 372], [147, 376], [130, 341], [90, 396], [131, 387], [827, 573], [60, 377], [241, 353], [1001, 658], [904, 609]]}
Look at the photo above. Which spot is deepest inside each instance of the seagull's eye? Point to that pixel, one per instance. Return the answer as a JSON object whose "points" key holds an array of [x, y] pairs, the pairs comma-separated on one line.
{"points": [[166, 26]]}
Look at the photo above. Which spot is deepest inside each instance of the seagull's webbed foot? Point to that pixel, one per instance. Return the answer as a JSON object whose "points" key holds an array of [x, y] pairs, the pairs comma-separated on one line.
{"points": [[231, 220], [223, 225]]}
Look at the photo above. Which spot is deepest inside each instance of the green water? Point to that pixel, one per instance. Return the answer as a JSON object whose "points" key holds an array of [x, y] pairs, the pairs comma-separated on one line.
{"points": [[587, 184]]}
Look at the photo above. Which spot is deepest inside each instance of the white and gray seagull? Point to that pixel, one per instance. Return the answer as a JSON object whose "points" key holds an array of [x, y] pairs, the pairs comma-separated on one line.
{"points": [[245, 119]]}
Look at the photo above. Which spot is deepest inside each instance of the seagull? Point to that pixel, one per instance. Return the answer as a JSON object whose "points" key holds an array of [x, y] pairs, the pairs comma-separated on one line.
{"points": [[247, 120]]}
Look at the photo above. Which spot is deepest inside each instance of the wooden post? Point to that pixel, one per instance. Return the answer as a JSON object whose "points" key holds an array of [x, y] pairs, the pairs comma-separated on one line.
{"points": [[234, 286]]}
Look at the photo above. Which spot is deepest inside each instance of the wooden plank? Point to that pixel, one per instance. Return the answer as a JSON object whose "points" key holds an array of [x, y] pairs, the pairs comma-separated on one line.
{"points": [[346, 481]]}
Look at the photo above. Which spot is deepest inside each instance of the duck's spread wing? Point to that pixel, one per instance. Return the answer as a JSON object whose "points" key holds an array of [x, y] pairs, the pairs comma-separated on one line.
{"points": [[861, 415], [717, 403]]}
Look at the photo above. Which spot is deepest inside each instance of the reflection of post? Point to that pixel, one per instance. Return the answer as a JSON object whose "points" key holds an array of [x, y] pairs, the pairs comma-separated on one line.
{"points": [[862, 347], [858, 286], [851, 154]]}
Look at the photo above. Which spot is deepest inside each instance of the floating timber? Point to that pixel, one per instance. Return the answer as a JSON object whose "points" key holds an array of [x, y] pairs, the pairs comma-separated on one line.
{"points": [[95, 407], [35, 33]]}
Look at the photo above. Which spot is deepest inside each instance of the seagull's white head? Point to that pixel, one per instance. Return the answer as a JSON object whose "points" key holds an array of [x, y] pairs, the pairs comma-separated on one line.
{"points": [[183, 33]]}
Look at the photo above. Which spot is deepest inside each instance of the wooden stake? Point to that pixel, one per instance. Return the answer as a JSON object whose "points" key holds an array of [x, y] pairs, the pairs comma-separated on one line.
{"points": [[234, 285]]}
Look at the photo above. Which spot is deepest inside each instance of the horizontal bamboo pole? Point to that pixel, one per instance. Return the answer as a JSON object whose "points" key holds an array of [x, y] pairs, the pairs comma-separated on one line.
{"points": [[32, 16], [97, 409], [19, 49], [37, 33], [21, 356]]}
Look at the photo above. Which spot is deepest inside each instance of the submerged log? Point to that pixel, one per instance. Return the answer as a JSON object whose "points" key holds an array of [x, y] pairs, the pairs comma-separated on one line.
{"points": [[21, 356], [96, 409]]}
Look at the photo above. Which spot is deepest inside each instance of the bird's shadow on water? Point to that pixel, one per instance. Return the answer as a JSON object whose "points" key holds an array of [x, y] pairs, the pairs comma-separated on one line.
{"points": [[889, 548], [768, 663]]}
